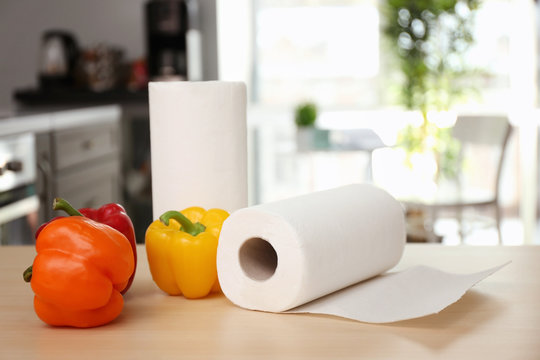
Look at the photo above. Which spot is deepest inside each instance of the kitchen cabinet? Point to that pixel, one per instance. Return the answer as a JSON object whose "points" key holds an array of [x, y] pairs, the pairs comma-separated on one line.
{"points": [[135, 185], [79, 159], [75, 154]]}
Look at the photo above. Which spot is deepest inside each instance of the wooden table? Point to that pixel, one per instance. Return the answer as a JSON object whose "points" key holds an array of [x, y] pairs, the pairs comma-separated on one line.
{"points": [[498, 319]]}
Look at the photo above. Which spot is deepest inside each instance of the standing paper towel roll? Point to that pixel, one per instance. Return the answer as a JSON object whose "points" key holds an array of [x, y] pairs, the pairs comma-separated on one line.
{"points": [[198, 145], [314, 254]]}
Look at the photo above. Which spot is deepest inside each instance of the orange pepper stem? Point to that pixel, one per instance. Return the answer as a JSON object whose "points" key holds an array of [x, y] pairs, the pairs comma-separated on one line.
{"points": [[62, 204], [187, 225], [27, 274], [58, 204]]}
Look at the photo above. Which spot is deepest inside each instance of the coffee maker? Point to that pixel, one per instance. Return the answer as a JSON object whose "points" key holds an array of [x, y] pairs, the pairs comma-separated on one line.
{"points": [[173, 40], [58, 57]]}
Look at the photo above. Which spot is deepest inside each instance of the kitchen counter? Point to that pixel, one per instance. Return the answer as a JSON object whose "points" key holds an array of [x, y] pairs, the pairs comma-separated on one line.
{"points": [[39, 122], [498, 319]]}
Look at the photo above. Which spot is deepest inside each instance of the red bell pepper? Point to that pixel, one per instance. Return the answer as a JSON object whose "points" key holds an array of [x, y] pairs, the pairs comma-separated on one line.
{"points": [[113, 215]]}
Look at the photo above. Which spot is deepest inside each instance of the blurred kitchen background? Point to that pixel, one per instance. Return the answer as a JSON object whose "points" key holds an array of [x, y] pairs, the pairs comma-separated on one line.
{"points": [[339, 91]]}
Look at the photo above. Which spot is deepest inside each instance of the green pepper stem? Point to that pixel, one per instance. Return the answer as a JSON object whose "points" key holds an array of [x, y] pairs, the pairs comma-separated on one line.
{"points": [[61, 204], [58, 204], [27, 274], [187, 225]]}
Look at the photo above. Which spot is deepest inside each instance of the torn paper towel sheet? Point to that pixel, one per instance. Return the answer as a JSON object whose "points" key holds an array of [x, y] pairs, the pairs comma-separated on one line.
{"points": [[322, 253], [413, 293], [198, 145]]}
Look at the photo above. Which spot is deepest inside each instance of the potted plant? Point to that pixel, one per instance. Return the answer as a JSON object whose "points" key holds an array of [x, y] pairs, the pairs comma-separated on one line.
{"points": [[308, 136]]}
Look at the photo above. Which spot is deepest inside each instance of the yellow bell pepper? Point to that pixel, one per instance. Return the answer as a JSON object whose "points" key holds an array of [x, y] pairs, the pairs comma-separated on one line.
{"points": [[181, 248]]}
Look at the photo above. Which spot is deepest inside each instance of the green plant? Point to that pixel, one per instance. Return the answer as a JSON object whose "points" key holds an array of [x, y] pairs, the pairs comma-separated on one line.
{"points": [[305, 114], [429, 39]]}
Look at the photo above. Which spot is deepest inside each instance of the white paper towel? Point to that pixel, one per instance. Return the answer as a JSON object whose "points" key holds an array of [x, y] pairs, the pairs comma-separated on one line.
{"points": [[314, 253], [198, 145]]}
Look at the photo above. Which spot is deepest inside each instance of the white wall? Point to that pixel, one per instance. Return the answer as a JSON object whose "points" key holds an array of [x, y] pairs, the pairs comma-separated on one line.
{"points": [[114, 22]]}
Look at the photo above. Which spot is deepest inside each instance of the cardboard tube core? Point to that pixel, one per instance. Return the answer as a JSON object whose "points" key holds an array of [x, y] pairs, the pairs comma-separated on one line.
{"points": [[258, 259]]}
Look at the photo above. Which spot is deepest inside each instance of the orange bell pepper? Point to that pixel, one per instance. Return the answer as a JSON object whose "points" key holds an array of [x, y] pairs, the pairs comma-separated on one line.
{"points": [[79, 271], [113, 215]]}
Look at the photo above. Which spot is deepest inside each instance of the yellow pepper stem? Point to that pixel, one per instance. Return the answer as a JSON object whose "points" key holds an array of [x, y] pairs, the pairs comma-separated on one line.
{"points": [[187, 225]]}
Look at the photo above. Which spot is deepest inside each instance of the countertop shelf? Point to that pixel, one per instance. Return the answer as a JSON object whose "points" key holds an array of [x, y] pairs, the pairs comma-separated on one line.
{"points": [[72, 96]]}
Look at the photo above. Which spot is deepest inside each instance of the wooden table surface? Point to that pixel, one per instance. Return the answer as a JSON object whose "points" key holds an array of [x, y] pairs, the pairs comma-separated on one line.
{"points": [[498, 319]]}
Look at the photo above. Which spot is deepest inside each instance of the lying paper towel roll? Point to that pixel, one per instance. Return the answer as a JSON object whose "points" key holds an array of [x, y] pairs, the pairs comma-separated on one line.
{"points": [[297, 250], [198, 145], [294, 255]]}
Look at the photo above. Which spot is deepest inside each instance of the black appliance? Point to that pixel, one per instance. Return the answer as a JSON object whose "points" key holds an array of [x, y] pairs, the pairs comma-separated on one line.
{"points": [[59, 55], [173, 40]]}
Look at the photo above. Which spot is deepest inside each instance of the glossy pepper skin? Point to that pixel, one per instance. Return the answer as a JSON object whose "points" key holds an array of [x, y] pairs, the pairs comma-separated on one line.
{"points": [[80, 268], [116, 217], [181, 248], [113, 215]]}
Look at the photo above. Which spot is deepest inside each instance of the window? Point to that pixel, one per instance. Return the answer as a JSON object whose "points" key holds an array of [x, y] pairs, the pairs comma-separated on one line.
{"points": [[325, 51]]}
